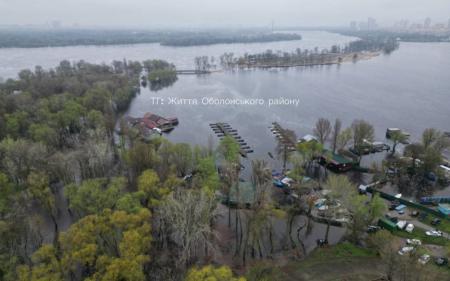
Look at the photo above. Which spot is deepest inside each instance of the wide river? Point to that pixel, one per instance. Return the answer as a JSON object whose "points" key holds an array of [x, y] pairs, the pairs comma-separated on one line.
{"points": [[409, 89]]}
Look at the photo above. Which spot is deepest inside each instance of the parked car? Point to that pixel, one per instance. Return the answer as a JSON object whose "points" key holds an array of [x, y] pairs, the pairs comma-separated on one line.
{"points": [[424, 259], [434, 233], [431, 176], [405, 250], [409, 228], [400, 207], [414, 242], [379, 147], [435, 221], [441, 261], [415, 214], [372, 228], [392, 219]]}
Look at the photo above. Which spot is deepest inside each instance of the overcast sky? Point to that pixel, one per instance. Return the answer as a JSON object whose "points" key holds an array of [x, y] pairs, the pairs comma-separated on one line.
{"points": [[216, 13]]}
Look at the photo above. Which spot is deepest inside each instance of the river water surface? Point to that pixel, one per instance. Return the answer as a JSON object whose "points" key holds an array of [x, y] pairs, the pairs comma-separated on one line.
{"points": [[409, 89]]}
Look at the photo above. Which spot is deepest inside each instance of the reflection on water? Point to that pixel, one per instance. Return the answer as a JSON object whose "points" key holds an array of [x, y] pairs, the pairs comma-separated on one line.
{"points": [[388, 91], [13, 60]]}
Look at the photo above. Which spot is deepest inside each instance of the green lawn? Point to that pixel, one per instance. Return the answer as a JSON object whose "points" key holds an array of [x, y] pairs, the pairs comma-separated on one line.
{"points": [[420, 234], [344, 261], [443, 226], [341, 250]]}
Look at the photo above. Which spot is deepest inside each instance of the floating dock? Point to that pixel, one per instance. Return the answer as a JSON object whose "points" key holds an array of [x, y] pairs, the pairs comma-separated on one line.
{"points": [[283, 136], [224, 129]]}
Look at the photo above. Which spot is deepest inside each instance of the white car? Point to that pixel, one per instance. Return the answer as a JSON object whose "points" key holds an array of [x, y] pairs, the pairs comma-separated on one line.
{"points": [[409, 228], [414, 242], [405, 250], [435, 233], [424, 259]]}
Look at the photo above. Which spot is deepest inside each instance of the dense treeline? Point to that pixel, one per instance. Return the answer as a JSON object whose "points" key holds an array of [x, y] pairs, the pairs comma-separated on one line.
{"points": [[160, 74], [27, 38], [59, 165], [354, 50], [75, 206], [215, 38], [402, 36]]}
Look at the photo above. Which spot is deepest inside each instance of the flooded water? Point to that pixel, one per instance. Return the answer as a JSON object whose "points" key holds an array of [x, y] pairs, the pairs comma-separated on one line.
{"points": [[12, 60], [409, 89]]}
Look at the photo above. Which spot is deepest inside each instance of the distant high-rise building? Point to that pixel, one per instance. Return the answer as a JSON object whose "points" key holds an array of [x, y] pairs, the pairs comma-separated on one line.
{"points": [[362, 25], [371, 23], [354, 25], [427, 23], [402, 24]]}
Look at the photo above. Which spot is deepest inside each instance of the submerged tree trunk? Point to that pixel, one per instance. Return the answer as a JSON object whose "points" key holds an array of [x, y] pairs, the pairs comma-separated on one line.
{"points": [[327, 230]]}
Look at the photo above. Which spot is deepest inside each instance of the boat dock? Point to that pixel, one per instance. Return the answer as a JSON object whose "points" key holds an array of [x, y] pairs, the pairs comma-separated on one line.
{"points": [[192, 72], [224, 129], [283, 136]]}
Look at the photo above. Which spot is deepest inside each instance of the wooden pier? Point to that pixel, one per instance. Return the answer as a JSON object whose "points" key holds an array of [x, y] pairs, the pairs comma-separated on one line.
{"points": [[283, 136], [224, 129], [192, 72]]}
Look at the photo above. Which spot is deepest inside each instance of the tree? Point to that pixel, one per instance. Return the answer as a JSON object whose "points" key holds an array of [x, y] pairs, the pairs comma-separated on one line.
{"points": [[341, 190], [229, 149], [344, 138], [359, 210], [108, 246], [415, 151], [362, 132], [230, 167], [258, 221], [93, 196], [7, 190], [310, 152], [207, 175], [188, 218], [209, 273], [429, 136], [363, 213], [335, 134], [322, 130], [387, 247], [182, 158], [149, 185], [38, 189], [264, 271], [284, 146], [20, 156], [46, 266], [141, 156], [397, 137]]}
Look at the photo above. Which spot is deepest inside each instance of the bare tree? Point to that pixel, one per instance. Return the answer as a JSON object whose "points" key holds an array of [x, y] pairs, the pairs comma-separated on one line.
{"points": [[362, 131], [335, 134], [344, 138], [188, 220], [322, 130], [429, 136]]}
